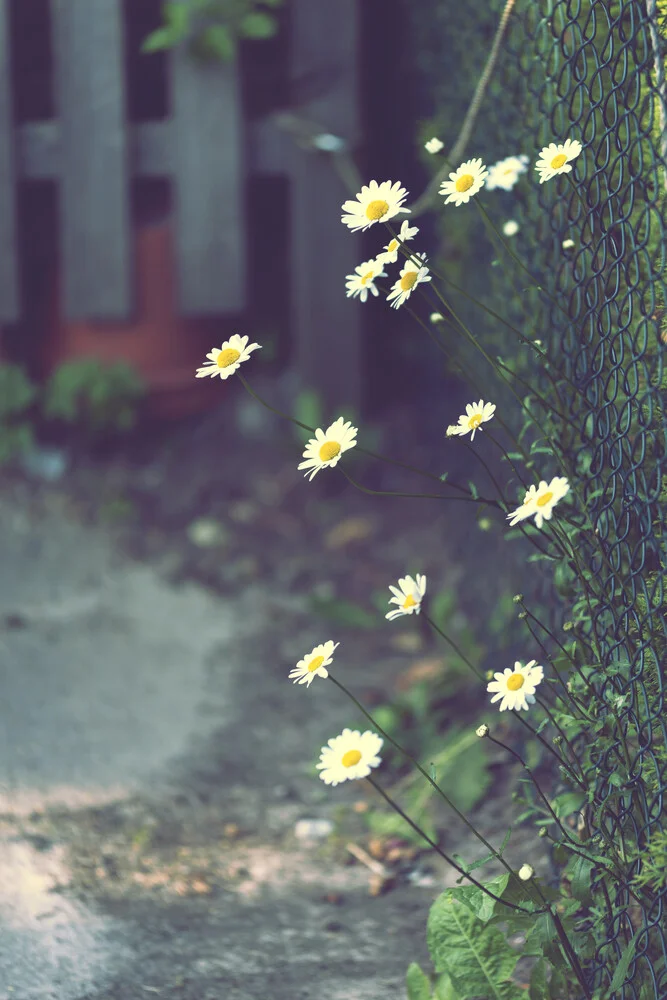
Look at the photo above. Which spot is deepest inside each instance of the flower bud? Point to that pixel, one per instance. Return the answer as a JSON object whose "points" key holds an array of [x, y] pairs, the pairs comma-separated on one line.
{"points": [[482, 731], [522, 615], [526, 872], [436, 318], [517, 598], [542, 831], [557, 740], [568, 626]]}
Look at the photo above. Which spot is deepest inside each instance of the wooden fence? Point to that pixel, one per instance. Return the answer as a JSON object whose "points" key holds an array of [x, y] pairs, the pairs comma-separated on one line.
{"points": [[207, 151]]}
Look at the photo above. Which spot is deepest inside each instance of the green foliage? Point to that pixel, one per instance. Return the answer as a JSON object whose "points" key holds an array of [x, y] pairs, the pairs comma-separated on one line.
{"points": [[94, 396], [212, 29], [17, 394]]}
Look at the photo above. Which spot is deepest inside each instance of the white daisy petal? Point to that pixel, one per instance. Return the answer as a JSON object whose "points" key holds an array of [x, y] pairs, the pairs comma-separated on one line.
{"points": [[540, 501], [505, 173], [362, 281], [476, 414], [349, 756], [464, 182], [411, 275], [408, 597], [374, 203], [515, 689], [555, 158], [225, 360], [314, 664], [326, 449]]}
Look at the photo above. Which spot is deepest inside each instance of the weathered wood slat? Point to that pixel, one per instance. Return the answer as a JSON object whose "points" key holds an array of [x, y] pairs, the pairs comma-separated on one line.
{"points": [[208, 185], [94, 203], [327, 327], [9, 286]]}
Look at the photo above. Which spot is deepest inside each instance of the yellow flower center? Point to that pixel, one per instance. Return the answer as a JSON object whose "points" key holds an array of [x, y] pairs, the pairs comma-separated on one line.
{"points": [[367, 277], [475, 421], [329, 450], [409, 602], [376, 209], [315, 664], [408, 280], [351, 758], [508, 170], [558, 161], [227, 357], [545, 498], [515, 681], [392, 246], [465, 182]]}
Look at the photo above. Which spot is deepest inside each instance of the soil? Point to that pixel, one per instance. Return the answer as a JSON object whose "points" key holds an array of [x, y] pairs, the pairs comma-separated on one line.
{"points": [[210, 864]]}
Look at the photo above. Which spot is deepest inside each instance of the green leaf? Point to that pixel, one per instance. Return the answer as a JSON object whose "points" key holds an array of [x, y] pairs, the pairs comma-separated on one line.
{"points": [[473, 490], [161, 38], [558, 983], [219, 42], [580, 876], [538, 989], [177, 16], [621, 969], [444, 989], [474, 955], [257, 25], [567, 802], [417, 982]]}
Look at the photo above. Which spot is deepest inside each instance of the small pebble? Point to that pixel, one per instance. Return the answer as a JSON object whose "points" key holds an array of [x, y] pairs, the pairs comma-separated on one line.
{"points": [[313, 829]]}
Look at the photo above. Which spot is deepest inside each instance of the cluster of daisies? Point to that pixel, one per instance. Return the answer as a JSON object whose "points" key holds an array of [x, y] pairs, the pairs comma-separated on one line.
{"points": [[380, 203], [353, 754], [383, 202]]}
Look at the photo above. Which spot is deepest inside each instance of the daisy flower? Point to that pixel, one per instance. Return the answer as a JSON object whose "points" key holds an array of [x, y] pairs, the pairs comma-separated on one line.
{"points": [[411, 276], [516, 687], [433, 145], [375, 203], [314, 664], [511, 228], [326, 449], [554, 158], [505, 173], [362, 281], [567, 244], [540, 501], [390, 254], [225, 360], [408, 595], [349, 756], [476, 414], [464, 182]]}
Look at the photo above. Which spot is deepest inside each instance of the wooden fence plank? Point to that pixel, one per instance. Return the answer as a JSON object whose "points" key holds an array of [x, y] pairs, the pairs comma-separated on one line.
{"points": [[9, 291], [327, 326], [94, 203], [208, 185]]}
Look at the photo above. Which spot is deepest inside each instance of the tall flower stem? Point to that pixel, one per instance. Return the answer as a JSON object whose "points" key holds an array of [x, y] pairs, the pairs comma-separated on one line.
{"points": [[538, 700], [567, 947], [425, 775], [442, 854]]}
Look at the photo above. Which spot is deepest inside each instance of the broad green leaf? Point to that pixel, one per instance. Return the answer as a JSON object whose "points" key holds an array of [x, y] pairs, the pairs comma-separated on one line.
{"points": [[417, 982], [444, 989], [476, 957], [257, 25], [177, 16], [162, 38], [558, 983], [538, 989], [567, 803], [218, 41], [580, 878], [622, 968]]}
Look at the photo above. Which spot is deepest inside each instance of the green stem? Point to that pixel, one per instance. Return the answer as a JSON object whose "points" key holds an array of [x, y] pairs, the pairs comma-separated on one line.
{"points": [[421, 771], [567, 947], [442, 854], [428, 496]]}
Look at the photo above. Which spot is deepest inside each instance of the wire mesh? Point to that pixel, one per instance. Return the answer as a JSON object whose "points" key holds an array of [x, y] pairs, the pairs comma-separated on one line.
{"points": [[594, 71]]}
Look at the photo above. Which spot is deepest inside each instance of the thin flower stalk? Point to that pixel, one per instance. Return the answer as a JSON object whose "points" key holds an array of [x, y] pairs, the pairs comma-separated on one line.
{"points": [[617, 870], [421, 770], [427, 496], [567, 947], [446, 857]]}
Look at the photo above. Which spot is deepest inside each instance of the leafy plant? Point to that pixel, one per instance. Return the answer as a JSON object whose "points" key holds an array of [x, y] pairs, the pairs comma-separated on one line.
{"points": [[17, 395], [94, 396], [212, 29]]}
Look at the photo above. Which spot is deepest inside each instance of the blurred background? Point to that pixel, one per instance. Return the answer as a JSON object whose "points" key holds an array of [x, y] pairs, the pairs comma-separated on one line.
{"points": [[170, 174]]}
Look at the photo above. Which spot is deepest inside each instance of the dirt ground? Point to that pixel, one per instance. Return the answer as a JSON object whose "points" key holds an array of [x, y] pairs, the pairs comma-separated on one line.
{"points": [[206, 886]]}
